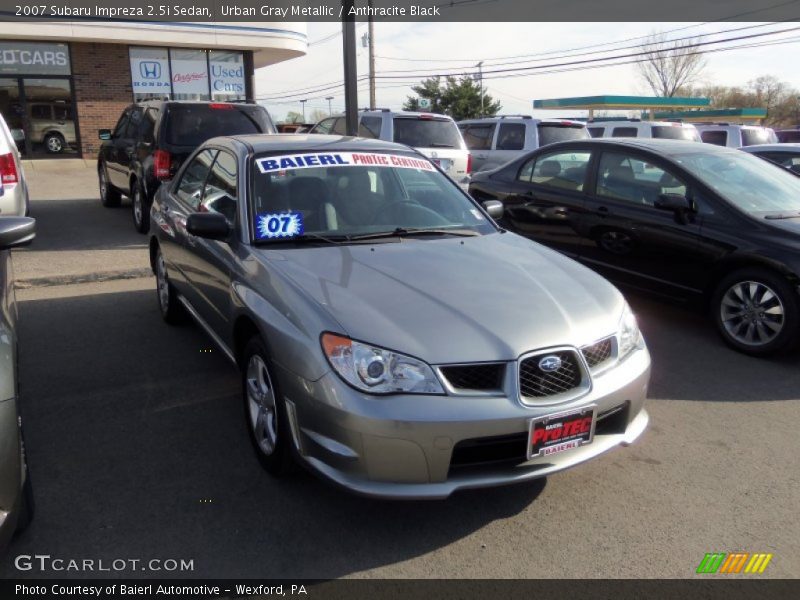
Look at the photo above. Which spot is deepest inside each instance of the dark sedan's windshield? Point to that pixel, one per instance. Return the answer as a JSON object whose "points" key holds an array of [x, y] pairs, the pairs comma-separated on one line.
{"points": [[343, 195], [747, 182]]}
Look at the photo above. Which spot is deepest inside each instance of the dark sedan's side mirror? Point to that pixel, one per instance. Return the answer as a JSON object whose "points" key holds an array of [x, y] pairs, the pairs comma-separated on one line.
{"points": [[16, 232], [208, 225], [104, 134], [673, 202], [494, 208]]}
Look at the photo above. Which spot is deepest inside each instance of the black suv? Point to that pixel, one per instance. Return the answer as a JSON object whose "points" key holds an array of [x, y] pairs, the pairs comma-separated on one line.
{"points": [[152, 139]]}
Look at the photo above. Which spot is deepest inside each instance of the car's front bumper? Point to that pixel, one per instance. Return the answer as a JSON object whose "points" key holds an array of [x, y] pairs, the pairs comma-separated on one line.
{"points": [[403, 446]]}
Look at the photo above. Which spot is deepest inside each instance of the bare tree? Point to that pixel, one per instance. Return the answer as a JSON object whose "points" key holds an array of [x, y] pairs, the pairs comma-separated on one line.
{"points": [[668, 65]]}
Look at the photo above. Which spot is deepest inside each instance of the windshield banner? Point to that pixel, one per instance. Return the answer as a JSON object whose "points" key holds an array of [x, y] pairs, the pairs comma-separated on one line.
{"points": [[341, 159]]}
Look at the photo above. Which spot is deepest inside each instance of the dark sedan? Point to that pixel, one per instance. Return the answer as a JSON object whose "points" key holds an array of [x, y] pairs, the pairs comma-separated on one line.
{"points": [[679, 219]]}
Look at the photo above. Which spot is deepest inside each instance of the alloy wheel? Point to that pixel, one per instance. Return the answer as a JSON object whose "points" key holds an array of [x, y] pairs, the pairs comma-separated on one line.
{"points": [[137, 206], [163, 284], [752, 313], [261, 405]]}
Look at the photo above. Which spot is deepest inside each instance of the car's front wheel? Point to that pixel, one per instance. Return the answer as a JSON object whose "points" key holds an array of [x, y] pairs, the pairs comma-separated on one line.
{"points": [[140, 207], [756, 311], [265, 410], [109, 196], [54, 143], [172, 310]]}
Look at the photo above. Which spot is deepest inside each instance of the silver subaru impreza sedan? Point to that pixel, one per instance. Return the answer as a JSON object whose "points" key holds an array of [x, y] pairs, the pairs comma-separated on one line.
{"points": [[390, 336]]}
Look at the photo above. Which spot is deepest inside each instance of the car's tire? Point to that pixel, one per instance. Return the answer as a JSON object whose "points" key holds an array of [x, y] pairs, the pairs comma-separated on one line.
{"points": [[109, 195], [756, 311], [55, 143], [265, 410], [140, 207], [172, 311]]}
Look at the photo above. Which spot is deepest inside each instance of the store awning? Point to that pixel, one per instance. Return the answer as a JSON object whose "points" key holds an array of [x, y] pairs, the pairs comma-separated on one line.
{"points": [[620, 103]]}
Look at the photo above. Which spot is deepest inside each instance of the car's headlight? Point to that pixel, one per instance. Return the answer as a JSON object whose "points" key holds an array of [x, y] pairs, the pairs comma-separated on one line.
{"points": [[629, 336], [377, 370]]}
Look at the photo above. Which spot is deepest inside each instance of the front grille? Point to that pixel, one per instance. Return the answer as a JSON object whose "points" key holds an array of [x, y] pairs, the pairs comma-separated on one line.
{"points": [[598, 353], [536, 383], [490, 451], [475, 377], [613, 421]]}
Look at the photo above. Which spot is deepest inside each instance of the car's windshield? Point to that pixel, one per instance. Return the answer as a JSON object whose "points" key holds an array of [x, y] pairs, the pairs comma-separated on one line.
{"points": [[426, 132], [343, 195], [670, 132], [747, 182]]}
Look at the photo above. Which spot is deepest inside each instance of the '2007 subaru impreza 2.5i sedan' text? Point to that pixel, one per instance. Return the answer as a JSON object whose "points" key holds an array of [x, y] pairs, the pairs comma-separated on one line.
{"points": [[390, 336]]}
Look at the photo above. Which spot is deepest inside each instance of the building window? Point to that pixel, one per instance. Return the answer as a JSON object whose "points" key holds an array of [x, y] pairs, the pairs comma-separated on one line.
{"points": [[187, 74], [150, 73], [227, 75]]}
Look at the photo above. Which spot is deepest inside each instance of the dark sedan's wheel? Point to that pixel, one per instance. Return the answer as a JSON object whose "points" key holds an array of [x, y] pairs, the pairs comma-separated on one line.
{"points": [[172, 310], [109, 196], [756, 311], [54, 143], [140, 207], [265, 411]]}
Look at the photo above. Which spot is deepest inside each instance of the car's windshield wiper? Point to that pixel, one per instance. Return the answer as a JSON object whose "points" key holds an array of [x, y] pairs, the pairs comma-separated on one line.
{"points": [[435, 145], [783, 216], [307, 237], [414, 231]]}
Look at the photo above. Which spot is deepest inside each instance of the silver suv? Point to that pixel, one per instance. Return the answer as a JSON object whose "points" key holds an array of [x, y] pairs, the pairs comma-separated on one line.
{"points": [[434, 135], [636, 128], [496, 140]]}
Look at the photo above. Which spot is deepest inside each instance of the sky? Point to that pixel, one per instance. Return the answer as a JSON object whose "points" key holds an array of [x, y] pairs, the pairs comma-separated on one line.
{"points": [[447, 46]]}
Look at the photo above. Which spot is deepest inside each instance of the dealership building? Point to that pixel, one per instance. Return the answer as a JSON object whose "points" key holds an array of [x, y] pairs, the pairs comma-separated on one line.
{"points": [[62, 82]]}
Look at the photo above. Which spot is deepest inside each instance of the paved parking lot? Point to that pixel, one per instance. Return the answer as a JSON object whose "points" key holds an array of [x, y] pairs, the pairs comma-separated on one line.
{"points": [[138, 449]]}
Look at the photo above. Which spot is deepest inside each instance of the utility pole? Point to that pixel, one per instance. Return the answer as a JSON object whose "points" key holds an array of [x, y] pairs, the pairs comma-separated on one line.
{"points": [[303, 104], [480, 80], [350, 77], [329, 98], [371, 33]]}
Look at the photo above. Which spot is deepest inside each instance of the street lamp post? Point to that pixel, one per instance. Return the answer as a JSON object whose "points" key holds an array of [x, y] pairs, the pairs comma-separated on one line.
{"points": [[329, 98], [480, 81], [303, 104]]}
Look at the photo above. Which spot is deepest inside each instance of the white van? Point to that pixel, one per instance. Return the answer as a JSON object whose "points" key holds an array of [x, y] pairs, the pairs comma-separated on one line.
{"points": [[736, 136], [636, 128]]}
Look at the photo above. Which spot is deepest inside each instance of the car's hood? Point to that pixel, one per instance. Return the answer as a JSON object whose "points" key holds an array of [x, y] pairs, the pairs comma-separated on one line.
{"points": [[450, 300]]}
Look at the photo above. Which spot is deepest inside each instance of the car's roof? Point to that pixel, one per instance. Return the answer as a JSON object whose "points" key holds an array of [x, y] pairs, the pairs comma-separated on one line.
{"points": [[635, 123], [525, 118], [773, 148], [661, 146], [299, 142]]}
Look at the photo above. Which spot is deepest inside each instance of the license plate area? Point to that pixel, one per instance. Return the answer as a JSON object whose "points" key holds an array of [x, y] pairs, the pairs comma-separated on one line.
{"points": [[443, 163], [562, 431]]}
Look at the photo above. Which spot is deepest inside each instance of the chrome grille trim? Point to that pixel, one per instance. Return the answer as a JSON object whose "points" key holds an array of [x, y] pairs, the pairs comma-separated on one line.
{"points": [[600, 355], [570, 381]]}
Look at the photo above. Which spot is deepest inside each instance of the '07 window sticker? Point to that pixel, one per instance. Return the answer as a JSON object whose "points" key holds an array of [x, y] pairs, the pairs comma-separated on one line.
{"points": [[270, 226]]}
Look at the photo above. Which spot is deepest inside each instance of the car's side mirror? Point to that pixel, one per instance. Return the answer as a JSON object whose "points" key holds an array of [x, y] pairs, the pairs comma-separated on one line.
{"points": [[673, 202], [494, 208], [16, 232], [104, 134], [208, 225]]}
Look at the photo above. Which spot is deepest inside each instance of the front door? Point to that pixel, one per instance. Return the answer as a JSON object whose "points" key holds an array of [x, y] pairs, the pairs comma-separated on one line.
{"points": [[630, 238]]}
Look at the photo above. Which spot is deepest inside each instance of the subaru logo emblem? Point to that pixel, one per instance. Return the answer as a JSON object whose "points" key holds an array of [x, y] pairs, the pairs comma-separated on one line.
{"points": [[150, 69], [549, 364]]}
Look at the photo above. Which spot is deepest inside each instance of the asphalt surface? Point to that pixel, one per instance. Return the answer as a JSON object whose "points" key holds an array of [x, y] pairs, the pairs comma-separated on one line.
{"points": [[138, 449]]}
